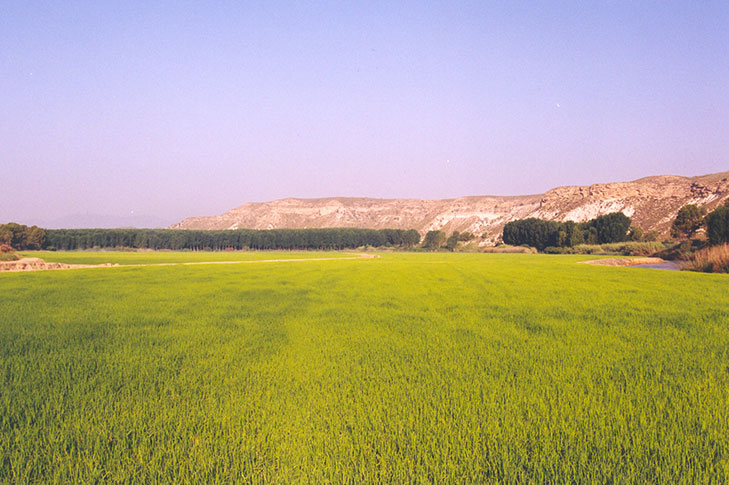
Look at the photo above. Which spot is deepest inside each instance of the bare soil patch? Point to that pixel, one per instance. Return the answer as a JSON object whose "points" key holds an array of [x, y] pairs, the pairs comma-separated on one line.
{"points": [[624, 261], [37, 264]]}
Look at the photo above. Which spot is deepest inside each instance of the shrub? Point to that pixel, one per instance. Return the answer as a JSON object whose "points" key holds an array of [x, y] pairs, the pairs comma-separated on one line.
{"points": [[635, 233], [506, 249], [717, 225], [713, 259], [7, 253], [635, 248], [434, 239], [688, 220], [452, 241], [683, 251], [628, 248]]}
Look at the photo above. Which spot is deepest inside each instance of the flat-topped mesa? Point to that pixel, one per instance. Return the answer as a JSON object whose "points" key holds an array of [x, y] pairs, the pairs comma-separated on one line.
{"points": [[652, 203]]}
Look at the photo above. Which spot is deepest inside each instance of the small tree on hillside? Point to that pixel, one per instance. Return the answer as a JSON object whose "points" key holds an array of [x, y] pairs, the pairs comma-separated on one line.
{"points": [[717, 225], [410, 238], [452, 241], [688, 220], [611, 227], [635, 233], [434, 239]]}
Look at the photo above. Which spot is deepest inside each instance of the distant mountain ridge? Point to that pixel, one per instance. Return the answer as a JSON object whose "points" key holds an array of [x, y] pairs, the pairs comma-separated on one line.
{"points": [[101, 221], [651, 202]]}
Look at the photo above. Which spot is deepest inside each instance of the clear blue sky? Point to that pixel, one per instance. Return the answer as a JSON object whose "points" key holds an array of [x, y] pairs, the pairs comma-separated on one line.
{"points": [[175, 109]]}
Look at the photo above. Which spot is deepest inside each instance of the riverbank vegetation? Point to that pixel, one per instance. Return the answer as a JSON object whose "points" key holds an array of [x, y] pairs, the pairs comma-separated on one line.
{"points": [[541, 234], [627, 248], [702, 239], [712, 259], [709, 253], [7, 253]]}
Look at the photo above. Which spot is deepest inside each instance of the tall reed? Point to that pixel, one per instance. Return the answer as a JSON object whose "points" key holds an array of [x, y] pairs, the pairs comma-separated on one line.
{"points": [[714, 259]]}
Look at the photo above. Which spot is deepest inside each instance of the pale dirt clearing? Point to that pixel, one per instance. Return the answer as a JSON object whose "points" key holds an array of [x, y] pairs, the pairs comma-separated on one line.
{"points": [[624, 261], [37, 264]]}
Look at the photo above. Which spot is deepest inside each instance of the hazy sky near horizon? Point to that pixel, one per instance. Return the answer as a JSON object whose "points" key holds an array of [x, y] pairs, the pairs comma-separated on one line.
{"points": [[176, 109]]}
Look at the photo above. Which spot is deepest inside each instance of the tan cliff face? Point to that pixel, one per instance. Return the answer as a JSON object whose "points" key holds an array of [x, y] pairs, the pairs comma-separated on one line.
{"points": [[651, 202]]}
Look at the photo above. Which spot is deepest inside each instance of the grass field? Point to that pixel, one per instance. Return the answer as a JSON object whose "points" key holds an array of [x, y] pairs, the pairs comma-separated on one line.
{"points": [[168, 257], [409, 368]]}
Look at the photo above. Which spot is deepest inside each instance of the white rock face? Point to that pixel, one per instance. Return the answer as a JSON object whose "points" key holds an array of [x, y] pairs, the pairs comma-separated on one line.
{"points": [[651, 202]]}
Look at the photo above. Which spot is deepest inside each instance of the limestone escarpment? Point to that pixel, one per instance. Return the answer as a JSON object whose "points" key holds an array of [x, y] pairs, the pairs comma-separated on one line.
{"points": [[651, 202]]}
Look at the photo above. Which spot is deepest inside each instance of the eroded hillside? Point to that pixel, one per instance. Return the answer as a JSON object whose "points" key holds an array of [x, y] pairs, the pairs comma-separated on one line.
{"points": [[652, 202]]}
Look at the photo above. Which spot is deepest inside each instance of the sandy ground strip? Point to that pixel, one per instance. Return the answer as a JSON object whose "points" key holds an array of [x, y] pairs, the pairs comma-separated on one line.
{"points": [[624, 261]]}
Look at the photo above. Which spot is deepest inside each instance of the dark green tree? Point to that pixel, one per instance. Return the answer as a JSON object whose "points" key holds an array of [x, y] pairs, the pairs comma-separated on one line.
{"points": [[635, 233], [611, 228], [532, 232], [573, 235], [434, 239], [717, 225], [410, 238], [452, 241], [282, 239], [688, 220], [12, 235], [541, 234], [22, 237]]}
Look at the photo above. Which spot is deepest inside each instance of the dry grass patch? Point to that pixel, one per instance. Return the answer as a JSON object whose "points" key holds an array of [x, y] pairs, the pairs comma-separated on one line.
{"points": [[711, 260]]}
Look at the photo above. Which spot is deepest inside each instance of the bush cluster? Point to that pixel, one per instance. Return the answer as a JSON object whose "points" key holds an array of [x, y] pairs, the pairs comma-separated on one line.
{"points": [[541, 234], [717, 225], [22, 237], [627, 248]]}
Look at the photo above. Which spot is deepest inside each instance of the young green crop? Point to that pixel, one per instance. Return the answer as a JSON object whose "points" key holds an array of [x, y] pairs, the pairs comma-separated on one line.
{"points": [[408, 368], [167, 257]]}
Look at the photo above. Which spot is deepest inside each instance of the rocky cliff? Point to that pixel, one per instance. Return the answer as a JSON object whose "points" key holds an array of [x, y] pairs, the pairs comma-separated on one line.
{"points": [[651, 202]]}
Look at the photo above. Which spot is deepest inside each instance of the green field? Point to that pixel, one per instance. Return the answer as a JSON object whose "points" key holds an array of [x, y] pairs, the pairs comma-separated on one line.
{"points": [[170, 257], [409, 368]]}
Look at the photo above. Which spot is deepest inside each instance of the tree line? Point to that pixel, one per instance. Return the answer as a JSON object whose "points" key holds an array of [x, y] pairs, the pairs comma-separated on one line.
{"points": [[237, 239], [438, 239], [542, 234], [537, 233], [691, 218], [19, 236]]}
